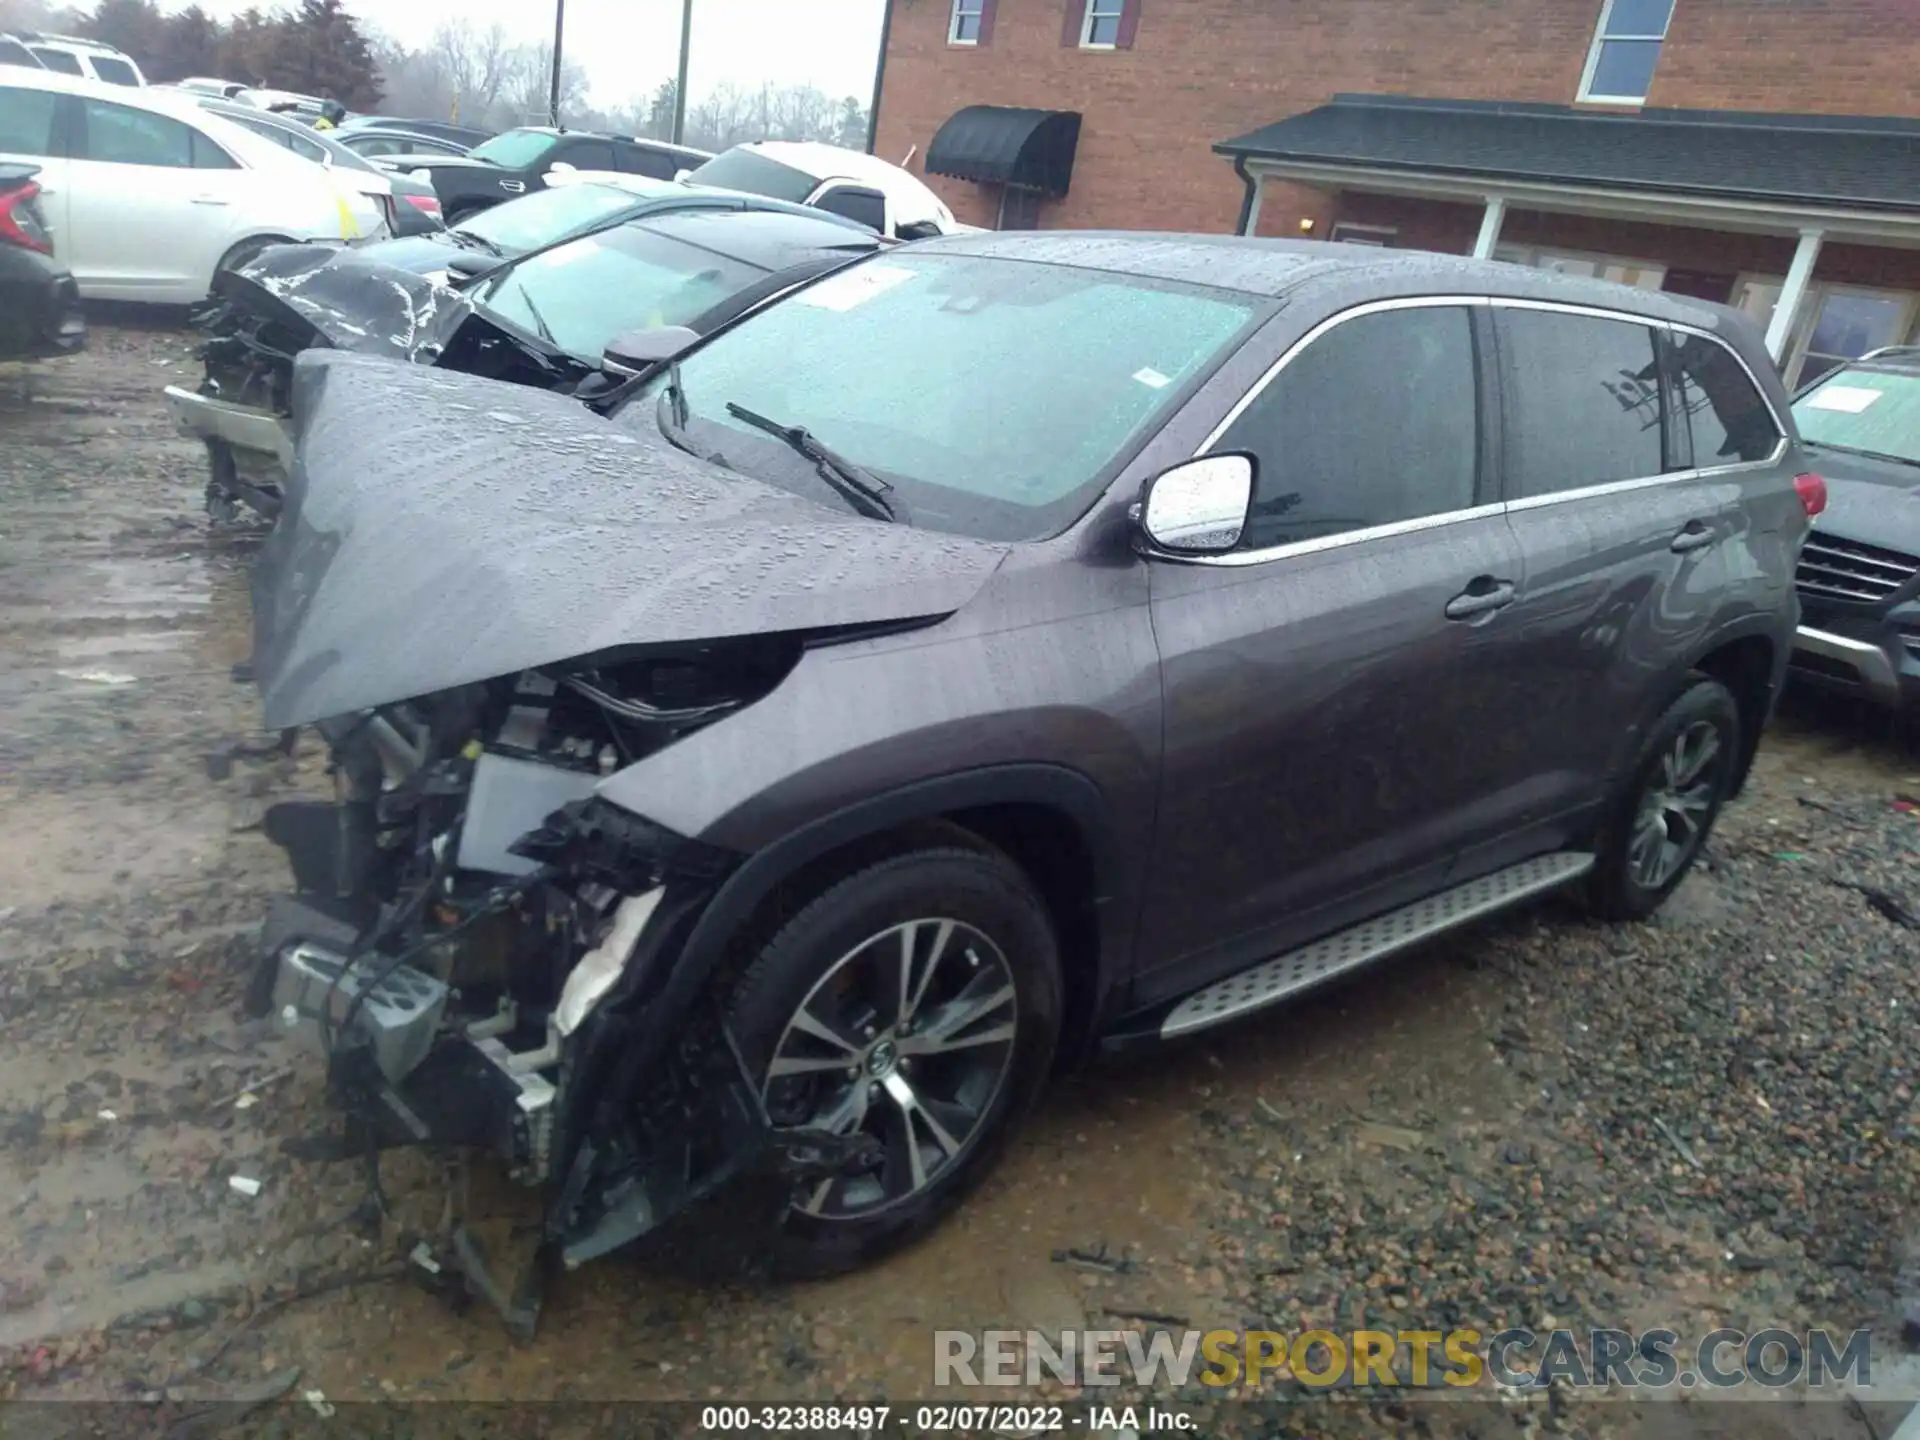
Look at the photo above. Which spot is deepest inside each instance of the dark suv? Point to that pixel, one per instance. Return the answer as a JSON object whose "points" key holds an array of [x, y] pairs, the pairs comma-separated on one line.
{"points": [[1859, 575], [1006, 645], [517, 162]]}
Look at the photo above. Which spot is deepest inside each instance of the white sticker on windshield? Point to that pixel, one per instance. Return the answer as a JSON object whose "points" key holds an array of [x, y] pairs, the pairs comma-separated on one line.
{"points": [[1150, 376], [1850, 399], [852, 287]]}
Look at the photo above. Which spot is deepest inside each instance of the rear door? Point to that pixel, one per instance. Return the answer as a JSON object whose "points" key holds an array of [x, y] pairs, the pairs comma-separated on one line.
{"points": [[1633, 548], [151, 204], [1329, 747], [33, 130], [639, 160]]}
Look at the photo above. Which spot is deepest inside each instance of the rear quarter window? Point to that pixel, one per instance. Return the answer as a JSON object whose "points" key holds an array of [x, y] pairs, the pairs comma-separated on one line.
{"points": [[1727, 416]]}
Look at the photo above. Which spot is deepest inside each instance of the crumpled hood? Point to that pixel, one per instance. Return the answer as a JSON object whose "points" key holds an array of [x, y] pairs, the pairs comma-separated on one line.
{"points": [[440, 529], [1875, 501], [355, 302]]}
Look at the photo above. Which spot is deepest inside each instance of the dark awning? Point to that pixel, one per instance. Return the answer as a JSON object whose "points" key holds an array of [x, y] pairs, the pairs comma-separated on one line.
{"points": [[1856, 162], [999, 145]]}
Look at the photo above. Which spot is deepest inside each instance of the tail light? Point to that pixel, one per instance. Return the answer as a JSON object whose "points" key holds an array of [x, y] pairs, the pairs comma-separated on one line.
{"points": [[428, 203], [21, 222], [1812, 491]]}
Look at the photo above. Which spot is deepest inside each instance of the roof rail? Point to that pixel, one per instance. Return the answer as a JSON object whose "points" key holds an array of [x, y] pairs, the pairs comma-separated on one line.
{"points": [[1886, 351]]}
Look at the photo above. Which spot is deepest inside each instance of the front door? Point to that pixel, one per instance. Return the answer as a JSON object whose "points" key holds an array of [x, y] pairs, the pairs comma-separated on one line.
{"points": [[1327, 736]]}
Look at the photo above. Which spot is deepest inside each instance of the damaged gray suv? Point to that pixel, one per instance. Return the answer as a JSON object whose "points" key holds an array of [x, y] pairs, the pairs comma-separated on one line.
{"points": [[1007, 646]]}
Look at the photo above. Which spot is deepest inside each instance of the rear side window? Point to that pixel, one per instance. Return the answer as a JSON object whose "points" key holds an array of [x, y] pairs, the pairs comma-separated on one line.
{"points": [[1582, 400], [1728, 417], [1375, 422], [638, 160], [26, 121], [114, 72], [61, 60]]}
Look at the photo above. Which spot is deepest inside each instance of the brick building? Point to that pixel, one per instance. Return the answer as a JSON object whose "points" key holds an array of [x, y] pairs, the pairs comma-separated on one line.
{"points": [[1764, 153]]}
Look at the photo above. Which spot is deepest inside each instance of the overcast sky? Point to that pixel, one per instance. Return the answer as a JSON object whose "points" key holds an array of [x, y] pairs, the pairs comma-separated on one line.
{"points": [[629, 46]]}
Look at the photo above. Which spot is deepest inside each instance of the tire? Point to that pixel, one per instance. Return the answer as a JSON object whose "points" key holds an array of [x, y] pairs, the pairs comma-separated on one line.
{"points": [[1634, 873], [838, 957]]}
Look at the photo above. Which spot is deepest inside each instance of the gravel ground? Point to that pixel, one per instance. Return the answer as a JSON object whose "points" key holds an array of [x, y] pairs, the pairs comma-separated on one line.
{"points": [[1704, 1121]]}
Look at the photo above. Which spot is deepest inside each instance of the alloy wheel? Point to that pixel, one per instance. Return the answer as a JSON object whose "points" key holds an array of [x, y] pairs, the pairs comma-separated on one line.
{"points": [[909, 1038], [1679, 798]]}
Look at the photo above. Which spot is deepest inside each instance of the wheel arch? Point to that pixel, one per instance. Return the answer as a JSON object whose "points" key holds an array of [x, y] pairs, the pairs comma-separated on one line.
{"points": [[1052, 821]]}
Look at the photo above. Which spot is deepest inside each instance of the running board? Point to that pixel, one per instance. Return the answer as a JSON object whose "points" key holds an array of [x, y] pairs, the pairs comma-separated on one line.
{"points": [[1272, 981]]}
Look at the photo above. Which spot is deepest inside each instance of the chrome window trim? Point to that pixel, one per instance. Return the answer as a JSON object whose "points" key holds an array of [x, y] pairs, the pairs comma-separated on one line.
{"points": [[1238, 558]]}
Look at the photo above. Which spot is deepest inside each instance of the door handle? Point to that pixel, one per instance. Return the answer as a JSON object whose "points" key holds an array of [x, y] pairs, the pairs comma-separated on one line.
{"points": [[1482, 597], [208, 200], [1695, 537], [512, 187]]}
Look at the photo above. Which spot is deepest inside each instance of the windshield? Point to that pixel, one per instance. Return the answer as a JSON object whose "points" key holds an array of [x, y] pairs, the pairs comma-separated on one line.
{"points": [[517, 149], [545, 216], [585, 294], [995, 395], [1873, 411], [742, 169]]}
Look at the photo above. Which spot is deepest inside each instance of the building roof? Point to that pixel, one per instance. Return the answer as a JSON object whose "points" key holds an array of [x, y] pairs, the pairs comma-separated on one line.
{"points": [[1856, 162]]}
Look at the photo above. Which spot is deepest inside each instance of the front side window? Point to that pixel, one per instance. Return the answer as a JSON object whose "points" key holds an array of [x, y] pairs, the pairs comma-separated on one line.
{"points": [[748, 170], [121, 135], [545, 216], [26, 121], [1101, 28], [1872, 412], [63, 61], [587, 155], [1626, 47], [114, 72], [1582, 401], [516, 149], [964, 28], [1728, 417], [856, 203], [1374, 423], [996, 396], [585, 294]]}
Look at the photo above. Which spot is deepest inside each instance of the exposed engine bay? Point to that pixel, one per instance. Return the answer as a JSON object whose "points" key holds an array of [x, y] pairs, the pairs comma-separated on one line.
{"points": [[467, 904]]}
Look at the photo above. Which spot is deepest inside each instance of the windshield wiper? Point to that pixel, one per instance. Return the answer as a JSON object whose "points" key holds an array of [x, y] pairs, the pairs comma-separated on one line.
{"points": [[470, 241], [1856, 450], [862, 489], [546, 330]]}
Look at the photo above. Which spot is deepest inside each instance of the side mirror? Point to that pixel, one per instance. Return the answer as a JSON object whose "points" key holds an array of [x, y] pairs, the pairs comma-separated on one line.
{"points": [[682, 174], [466, 265], [642, 349], [559, 168], [918, 230], [1199, 508]]}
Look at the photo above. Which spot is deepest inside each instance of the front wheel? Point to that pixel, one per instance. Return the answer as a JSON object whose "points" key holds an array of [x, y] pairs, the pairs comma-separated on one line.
{"points": [[1673, 795], [917, 1002]]}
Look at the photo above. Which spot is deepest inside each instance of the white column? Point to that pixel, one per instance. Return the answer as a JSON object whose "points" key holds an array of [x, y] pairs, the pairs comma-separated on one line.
{"points": [[1253, 210], [1792, 293], [1490, 224]]}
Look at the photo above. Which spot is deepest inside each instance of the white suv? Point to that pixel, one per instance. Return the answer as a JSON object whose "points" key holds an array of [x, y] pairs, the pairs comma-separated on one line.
{"points": [[149, 195], [89, 59]]}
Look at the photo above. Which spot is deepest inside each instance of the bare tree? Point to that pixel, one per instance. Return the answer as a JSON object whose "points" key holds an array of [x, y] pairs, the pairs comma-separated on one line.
{"points": [[476, 64]]}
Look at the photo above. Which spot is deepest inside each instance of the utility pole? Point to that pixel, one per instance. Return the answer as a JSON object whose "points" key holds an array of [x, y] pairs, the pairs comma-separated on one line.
{"points": [[553, 90], [680, 81], [879, 74]]}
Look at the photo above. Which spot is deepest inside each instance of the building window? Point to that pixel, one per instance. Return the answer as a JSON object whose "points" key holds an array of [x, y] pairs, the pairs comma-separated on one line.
{"points": [[1101, 28], [1626, 46], [1641, 274], [1346, 234], [966, 25], [1849, 323]]}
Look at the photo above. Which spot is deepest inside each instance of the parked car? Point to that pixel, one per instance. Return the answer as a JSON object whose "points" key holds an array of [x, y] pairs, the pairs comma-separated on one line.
{"points": [[518, 162], [411, 206], [549, 319], [75, 55], [1859, 576], [466, 136], [378, 142], [206, 85], [14, 51], [1006, 644], [39, 303], [148, 195], [852, 183]]}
